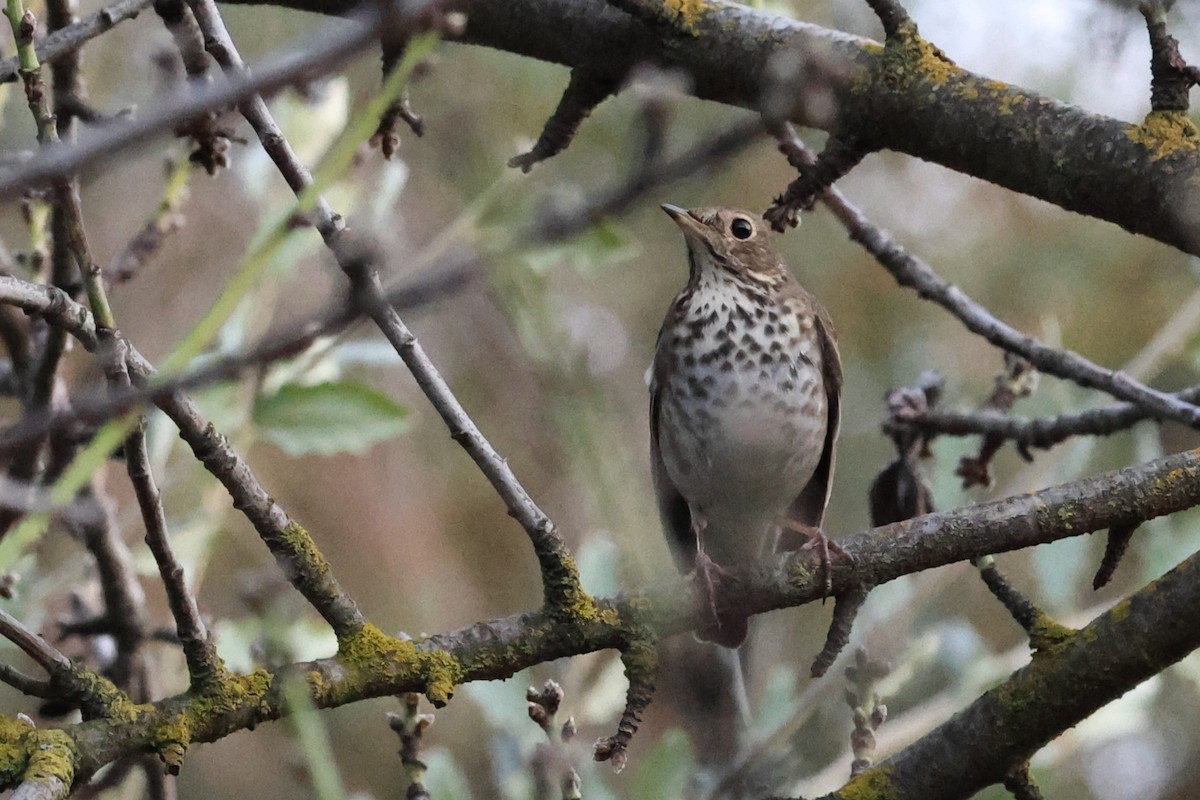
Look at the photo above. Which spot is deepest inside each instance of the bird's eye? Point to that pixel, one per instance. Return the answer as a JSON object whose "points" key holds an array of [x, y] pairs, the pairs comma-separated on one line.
{"points": [[741, 228]]}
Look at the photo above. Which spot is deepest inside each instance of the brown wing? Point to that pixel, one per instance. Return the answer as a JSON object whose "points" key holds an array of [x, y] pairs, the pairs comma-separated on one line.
{"points": [[809, 508], [672, 508]]}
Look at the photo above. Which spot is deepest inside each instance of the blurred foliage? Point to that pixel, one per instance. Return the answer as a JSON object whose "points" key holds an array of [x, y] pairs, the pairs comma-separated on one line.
{"points": [[548, 352]]}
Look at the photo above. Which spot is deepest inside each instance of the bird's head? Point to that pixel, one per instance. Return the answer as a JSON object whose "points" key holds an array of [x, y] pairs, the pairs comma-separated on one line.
{"points": [[729, 240]]}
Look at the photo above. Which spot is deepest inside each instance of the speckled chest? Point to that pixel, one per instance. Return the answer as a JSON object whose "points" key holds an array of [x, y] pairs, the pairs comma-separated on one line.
{"points": [[741, 396]]}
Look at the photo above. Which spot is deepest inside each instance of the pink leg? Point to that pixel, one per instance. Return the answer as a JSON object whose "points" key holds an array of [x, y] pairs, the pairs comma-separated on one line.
{"points": [[823, 545], [725, 630]]}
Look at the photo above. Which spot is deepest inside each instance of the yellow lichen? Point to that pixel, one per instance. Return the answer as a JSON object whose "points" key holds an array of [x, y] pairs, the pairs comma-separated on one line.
{"points": [[302, 544], [688, 12], [907, 57], [51, 757], [874, 784], [171, 738], [1120, 611], [370, 651], [1047, 636], [1166, 133]]}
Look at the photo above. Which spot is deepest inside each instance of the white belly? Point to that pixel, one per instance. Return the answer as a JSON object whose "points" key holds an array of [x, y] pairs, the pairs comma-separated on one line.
{"points": [[741, 436]]}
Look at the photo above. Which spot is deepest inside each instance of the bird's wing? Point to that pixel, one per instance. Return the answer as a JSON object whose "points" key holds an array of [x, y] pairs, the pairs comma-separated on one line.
{"points": [[672, 508], [809, 508]]}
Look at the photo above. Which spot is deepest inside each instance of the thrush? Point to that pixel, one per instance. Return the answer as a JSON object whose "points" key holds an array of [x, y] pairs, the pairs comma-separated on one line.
{"points": [[744, 408]]}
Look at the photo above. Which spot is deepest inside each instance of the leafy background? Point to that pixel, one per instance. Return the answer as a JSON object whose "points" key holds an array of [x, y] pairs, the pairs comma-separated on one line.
{"points": [[547, 349]]}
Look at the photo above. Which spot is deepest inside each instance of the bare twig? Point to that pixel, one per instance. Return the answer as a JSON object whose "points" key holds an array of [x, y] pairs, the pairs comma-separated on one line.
{"points": [[845, 610], [1042, 432], [584, 92], [75, 36], [1114, 549], [165, 221], [202, 662], [323, 51], [1044, 633], [1171, 78], [34, 646], [640, 658], [841, 154], [410, 727], [912, 272], [24, 683], [559, 222], [559, 575], [868, 710], [290, 543]]}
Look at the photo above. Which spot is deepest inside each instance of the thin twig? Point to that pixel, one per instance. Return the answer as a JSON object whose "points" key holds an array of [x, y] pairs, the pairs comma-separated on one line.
{"points": [[912, 272], [327, 48], [61, 312], [124, 601], [292, 546], [203, 665], [24, 683], [34, 646], [559, 575], [75, 36], [290, 543], [584, 92], [1043, 432]]}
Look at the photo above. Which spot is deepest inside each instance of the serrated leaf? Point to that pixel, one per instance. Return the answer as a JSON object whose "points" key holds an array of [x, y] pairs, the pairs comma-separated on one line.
{"points": [[328, 418]]}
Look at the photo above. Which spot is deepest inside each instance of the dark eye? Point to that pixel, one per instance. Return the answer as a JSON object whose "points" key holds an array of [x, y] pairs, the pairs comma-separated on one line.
{"points": [[741, 228]]}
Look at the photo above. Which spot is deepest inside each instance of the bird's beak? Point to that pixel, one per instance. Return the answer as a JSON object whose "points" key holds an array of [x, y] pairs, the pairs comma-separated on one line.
{"points": [[694, 231]]}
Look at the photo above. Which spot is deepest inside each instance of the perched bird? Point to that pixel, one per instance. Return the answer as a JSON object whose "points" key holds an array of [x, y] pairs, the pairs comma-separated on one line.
{"points": [[744, 407]]}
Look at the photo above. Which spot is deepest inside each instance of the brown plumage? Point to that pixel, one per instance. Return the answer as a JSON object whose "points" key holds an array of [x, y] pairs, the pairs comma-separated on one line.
{"points": [[744, 406]]}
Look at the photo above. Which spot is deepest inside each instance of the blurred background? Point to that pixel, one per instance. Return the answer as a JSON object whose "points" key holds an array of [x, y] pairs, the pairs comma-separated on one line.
{"points": [[548, 347]]}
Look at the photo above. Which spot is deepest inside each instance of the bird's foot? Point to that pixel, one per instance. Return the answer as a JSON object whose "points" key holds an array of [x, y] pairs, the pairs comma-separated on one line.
{"points": [[711, 579], [817, 540]]}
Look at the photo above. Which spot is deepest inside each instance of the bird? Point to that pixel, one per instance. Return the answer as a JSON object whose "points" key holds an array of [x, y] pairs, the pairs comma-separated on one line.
{"points": [[745, 408]]}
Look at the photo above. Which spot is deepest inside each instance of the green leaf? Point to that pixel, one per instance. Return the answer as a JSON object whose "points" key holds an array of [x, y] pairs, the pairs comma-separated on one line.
{"points": [[328, 418]]}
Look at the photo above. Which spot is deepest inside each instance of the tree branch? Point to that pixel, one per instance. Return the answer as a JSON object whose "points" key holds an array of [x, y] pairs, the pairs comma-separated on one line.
{"points": [[907, 97], [982, 744], [913, 273], [370, 664]]}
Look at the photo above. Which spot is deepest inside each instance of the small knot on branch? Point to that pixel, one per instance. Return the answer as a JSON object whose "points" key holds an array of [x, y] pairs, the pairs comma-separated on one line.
{"points": [[845, 610], [1171, 77], [410, 726], [640, 658], [552, 766], [891, 14], [841, 154], [585, 90], [1114, 551], [171, 754], [1020, 782], [867, 709]]}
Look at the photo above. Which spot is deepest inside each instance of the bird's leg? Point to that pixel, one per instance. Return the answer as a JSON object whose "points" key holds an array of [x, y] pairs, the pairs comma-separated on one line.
{"points": [[708, 572], [728, 629], [818, 541]]}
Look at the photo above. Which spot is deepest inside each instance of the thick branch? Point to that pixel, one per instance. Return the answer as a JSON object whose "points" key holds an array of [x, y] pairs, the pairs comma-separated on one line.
{"points": [[907, 97], [372, 665], [982, 744]]}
